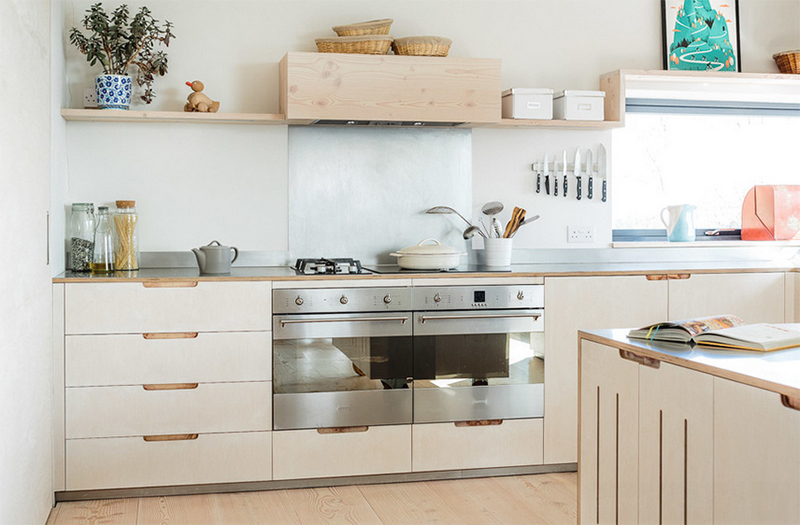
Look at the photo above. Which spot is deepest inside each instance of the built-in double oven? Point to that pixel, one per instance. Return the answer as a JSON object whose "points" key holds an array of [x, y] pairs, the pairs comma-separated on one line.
{"points": [[345, 357]]}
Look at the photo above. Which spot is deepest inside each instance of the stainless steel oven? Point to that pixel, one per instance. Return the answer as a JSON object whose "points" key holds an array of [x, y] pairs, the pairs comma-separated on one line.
{"points": [[342, 357], [349, 357], [478, 353]]}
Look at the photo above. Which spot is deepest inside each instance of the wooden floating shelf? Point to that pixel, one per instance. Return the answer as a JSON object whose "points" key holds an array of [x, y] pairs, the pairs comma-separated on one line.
{"points": [[97, 115], [116, 115]]}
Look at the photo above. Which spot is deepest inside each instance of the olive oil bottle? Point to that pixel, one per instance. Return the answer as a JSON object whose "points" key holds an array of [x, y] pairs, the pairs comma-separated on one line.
{"points": [[103, 256]]}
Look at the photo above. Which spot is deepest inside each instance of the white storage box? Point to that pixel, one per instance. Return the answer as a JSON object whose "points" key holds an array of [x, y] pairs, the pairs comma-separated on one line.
{"points": [[532, 103], [579, 105]]}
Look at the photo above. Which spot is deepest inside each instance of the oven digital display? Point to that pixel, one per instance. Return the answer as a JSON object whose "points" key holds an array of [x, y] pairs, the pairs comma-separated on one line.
{"points": [[479, 296]]}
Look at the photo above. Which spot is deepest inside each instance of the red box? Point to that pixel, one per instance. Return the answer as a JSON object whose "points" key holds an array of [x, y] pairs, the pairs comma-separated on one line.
{"points": [[771, 213]]}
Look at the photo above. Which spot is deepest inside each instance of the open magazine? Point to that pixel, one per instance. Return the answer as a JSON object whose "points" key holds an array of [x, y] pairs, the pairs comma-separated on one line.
{"points": [[722, 331]]}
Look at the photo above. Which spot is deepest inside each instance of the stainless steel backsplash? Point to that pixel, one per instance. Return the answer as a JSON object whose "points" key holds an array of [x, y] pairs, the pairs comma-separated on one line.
{"points": [[362, 192]]}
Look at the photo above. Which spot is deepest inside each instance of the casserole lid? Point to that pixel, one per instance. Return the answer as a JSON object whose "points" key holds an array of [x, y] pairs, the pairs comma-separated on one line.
{"points": [[435, 249]]}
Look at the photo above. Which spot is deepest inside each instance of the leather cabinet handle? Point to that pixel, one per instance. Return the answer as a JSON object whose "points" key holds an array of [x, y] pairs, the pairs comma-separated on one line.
{"points": [[480, 423], [668, 276], [341, 430], [170, 335], [171, 386], [642, 360], [790, 401], [170, 437], [169, 284]]}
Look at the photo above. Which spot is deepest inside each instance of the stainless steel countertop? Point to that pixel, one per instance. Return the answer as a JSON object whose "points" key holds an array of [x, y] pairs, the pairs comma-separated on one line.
{"points": [[280, 273], [777, 371]]}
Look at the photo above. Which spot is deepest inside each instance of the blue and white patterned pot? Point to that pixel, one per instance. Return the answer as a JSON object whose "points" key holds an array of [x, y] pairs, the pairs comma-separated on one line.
{"points": [[113, 91]]}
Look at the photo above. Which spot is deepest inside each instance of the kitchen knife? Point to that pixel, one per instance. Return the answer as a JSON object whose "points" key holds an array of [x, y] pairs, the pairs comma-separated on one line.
{"points": [[576, 169], [538, 171], [546, 175], [602, 169], [555, 175], [589, 173], [564, 170]]}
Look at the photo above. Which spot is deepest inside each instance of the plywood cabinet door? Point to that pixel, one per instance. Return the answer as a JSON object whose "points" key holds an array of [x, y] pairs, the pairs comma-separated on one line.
{"points": [[675, 445], [756, 456], [585, 303], [608, 454], [755, 297]]}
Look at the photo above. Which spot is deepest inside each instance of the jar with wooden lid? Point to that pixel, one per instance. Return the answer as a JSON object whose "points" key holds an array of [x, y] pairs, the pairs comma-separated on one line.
{"points": [[126, 236]]}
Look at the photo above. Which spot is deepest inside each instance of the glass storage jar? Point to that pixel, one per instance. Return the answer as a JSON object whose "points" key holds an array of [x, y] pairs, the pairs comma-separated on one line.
{"points": [[103, 257], [126, 236], [81, 236]]}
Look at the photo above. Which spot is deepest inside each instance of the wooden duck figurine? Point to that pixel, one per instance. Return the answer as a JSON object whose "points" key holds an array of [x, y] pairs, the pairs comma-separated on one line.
{"points": [[198, 101]]}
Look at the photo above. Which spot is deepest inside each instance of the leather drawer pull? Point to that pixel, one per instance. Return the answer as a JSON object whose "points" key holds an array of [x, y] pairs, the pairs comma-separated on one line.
{"points": [[171, 386], [668, 276], [341, 430], [170, 335], [481, 423], [169, 284], [170, 437], [790, 402], [642, 360]]}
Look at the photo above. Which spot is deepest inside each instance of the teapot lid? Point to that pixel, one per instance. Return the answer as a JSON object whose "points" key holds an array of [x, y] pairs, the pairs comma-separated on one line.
{"points": [[217, 247]]}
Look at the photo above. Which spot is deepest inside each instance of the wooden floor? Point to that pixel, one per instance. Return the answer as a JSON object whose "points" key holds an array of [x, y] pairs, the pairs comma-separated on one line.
{"points": [[539, 499]]}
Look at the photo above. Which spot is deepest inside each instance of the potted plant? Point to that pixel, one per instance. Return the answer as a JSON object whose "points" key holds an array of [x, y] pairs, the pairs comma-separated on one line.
{"points": [[119, 42]]}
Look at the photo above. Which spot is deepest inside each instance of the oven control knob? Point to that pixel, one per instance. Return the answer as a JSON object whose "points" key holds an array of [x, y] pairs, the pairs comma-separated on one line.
{"points": [[437, 298], [520, 295], [298, 301], [344, 300], [387, 299]]}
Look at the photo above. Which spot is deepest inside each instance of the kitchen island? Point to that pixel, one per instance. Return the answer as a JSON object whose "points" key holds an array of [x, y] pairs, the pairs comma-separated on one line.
{"points": [[670, 433]]}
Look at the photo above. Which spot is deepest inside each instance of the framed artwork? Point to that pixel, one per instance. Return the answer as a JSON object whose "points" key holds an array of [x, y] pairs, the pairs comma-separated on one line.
{"points": [[700, 35]]}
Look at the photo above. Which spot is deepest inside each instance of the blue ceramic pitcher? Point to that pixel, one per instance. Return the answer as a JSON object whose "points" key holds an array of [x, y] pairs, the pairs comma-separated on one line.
{"points": [[680, 227]]}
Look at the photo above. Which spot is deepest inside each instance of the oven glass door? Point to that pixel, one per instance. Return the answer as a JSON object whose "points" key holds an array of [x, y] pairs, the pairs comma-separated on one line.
{"points": [[478, 365], [341, 370]]}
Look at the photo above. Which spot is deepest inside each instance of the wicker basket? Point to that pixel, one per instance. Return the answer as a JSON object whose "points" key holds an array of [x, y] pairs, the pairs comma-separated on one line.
{"points": [[788, 61], [431, 46], [367, 45], [373, 27]]}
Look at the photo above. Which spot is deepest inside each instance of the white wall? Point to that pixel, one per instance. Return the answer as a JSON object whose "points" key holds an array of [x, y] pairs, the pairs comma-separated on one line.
{"points": [[26, 489], [234, 47]]}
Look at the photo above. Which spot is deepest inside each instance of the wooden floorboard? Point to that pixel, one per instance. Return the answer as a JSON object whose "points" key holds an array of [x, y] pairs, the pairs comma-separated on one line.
{"points": [[541, 498]]}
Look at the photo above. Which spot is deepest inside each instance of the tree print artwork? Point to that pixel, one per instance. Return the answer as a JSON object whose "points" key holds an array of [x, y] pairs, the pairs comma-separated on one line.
{"points": [[700, 39]]}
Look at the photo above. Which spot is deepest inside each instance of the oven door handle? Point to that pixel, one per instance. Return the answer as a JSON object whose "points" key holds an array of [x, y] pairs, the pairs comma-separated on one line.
{"points": [[489, 316], [284, 322]]}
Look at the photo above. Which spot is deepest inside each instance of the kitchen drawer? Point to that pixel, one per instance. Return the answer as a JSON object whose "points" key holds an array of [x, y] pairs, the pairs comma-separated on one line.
{"points": [[352, 452], [136, 359], [133, 462], [179, 306], [133, 411], [446, 446]]}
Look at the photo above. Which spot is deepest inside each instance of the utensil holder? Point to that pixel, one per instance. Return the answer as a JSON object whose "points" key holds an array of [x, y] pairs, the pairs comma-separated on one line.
{"points": [[497, 251]]}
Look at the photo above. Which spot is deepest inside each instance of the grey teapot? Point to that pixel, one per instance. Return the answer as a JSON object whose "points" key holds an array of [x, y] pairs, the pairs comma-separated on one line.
{"points": [[215, 259]]}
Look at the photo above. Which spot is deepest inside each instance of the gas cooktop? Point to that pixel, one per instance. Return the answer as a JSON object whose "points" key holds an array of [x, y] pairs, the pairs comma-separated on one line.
{"points": [[341, 266]]}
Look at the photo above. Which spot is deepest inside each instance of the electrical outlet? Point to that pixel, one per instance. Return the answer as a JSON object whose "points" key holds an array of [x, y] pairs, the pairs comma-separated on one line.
{"points": [[580, 233], [89, 98]]}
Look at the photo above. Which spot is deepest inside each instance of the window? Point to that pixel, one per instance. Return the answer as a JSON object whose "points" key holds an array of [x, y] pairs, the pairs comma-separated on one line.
{"points": [[708, 160]]}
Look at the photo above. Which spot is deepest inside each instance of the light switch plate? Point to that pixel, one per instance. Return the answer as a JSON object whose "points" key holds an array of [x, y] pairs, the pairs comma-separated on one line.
{"points": [[89, 98]]}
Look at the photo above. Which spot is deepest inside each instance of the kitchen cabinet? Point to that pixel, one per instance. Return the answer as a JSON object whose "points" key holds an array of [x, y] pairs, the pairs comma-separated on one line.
{"points": [[585, 303], [709, 449], [756, 456], [479, 444], [348, 451], [164, 383], [334, 86], [609, 444], [572, 304]]}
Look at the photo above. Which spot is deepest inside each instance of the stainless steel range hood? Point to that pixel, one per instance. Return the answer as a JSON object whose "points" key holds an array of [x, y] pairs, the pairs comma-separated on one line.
{"points": [[386, 123]]}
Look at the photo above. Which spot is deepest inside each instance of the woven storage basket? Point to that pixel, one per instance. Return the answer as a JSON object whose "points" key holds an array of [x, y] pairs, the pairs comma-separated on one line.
{"points": [[788, 61], [373, 27], [431, 46], [367, 44]]}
